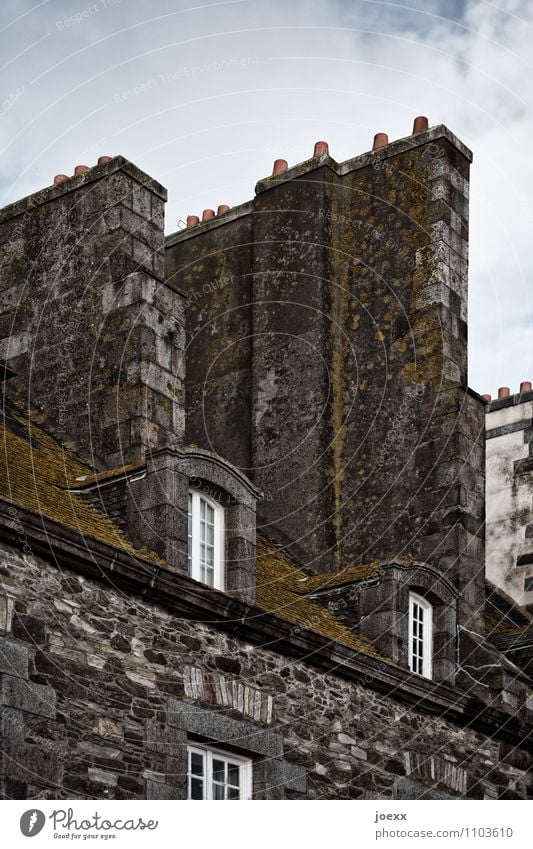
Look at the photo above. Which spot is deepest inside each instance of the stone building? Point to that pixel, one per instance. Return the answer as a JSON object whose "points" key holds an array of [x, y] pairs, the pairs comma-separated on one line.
{"points": [[242, 504]]}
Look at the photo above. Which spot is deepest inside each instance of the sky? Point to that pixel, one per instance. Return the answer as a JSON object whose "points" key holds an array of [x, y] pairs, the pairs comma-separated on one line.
{"points": [[204, 96]]}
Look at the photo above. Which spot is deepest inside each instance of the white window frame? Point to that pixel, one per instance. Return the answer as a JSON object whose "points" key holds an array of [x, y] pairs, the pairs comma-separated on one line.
{"points": [[209, 753], [196, 496], [420, 662]]}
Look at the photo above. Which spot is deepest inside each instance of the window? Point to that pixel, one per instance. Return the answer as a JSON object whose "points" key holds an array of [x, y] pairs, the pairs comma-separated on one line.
{"points": [[420, 635], [212, 774], [206, 540]]}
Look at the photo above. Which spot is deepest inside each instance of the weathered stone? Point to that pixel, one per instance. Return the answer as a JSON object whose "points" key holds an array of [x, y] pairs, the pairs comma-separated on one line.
{"points": [[102, 776], [284, 381], [159, 790], [287, 775], [13, 659], [27, 696], [119, 643], [84, 289], [224, 730]]}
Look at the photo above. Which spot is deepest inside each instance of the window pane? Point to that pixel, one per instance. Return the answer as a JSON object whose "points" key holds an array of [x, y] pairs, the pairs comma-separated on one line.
{"points": [[204, 556], [189, 535], [218, 770], [197, 788], [197, 763], [207, 543], [233, 774], [213, 775], [218, 791]]}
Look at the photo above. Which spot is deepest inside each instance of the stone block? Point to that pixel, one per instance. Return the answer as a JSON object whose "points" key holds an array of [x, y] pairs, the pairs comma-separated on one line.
{"points": [[28, 697], [13, 659], [159, 790], [281, 773], [222, 729], [102, 776]]}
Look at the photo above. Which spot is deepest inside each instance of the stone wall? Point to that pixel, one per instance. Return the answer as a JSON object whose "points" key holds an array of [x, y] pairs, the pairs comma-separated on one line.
{"points": [[92, 332], [362, 433], [214, 273], [101, 689]]}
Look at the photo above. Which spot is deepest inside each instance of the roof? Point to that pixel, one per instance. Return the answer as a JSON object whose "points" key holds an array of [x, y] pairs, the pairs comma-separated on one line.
{"points": [[40, 474], [90, 478], [502, 616], [281, 585], [350, 575], [36, 473]]}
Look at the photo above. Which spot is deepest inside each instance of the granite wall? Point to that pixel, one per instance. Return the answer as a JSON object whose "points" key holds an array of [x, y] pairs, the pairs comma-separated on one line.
{"points": [[342, 333], [100, 690], [89, 327]]}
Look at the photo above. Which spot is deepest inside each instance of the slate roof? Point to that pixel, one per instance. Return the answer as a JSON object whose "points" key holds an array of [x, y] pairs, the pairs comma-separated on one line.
{"points": [[281, 588], [501, 614], [38, 474]]}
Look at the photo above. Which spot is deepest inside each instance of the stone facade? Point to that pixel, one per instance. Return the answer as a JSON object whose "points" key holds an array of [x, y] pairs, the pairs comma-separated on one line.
{"points": [[324, 405], [327, 319], [87, 256], [101, 690]]}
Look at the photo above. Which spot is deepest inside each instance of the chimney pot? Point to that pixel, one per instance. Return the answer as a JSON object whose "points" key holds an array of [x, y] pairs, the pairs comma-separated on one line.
{"points": [[207, 214], [280, 165], [60, 178], [80, 169], [380, 140], [504, 392], [321, 149], [192, 220], [420, 124], [487, 397], [525, 386], [223, 208], [102, 160]]}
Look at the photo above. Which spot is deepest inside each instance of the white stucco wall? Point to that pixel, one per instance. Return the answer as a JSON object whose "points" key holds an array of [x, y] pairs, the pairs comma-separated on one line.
{"points": [[509, 503]]}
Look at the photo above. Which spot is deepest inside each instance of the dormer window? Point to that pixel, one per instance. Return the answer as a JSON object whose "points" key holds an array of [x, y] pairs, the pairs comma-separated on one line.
{"points": [[206, 540], [420, 635]]}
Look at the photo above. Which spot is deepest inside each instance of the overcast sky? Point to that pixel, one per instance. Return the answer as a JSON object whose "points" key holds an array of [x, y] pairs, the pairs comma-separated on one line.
{"points": [[204, 96]]}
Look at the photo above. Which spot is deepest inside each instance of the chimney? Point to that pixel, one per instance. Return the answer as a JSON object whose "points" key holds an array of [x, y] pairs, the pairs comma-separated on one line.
{"points": [[343, 332], [93, 333]]}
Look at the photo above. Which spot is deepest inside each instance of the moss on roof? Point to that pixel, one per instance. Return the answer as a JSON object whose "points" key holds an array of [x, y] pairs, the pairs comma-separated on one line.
{"points": [[36, 473], [349, 575], [89, 478], [279, 591]]}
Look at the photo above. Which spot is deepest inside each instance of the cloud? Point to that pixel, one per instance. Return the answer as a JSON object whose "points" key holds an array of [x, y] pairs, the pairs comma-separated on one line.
{"points": [[205, 95]]}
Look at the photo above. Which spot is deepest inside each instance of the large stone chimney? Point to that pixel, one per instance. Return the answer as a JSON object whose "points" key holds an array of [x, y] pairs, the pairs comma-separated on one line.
{"points": [[326, 355], [89, 326]]}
